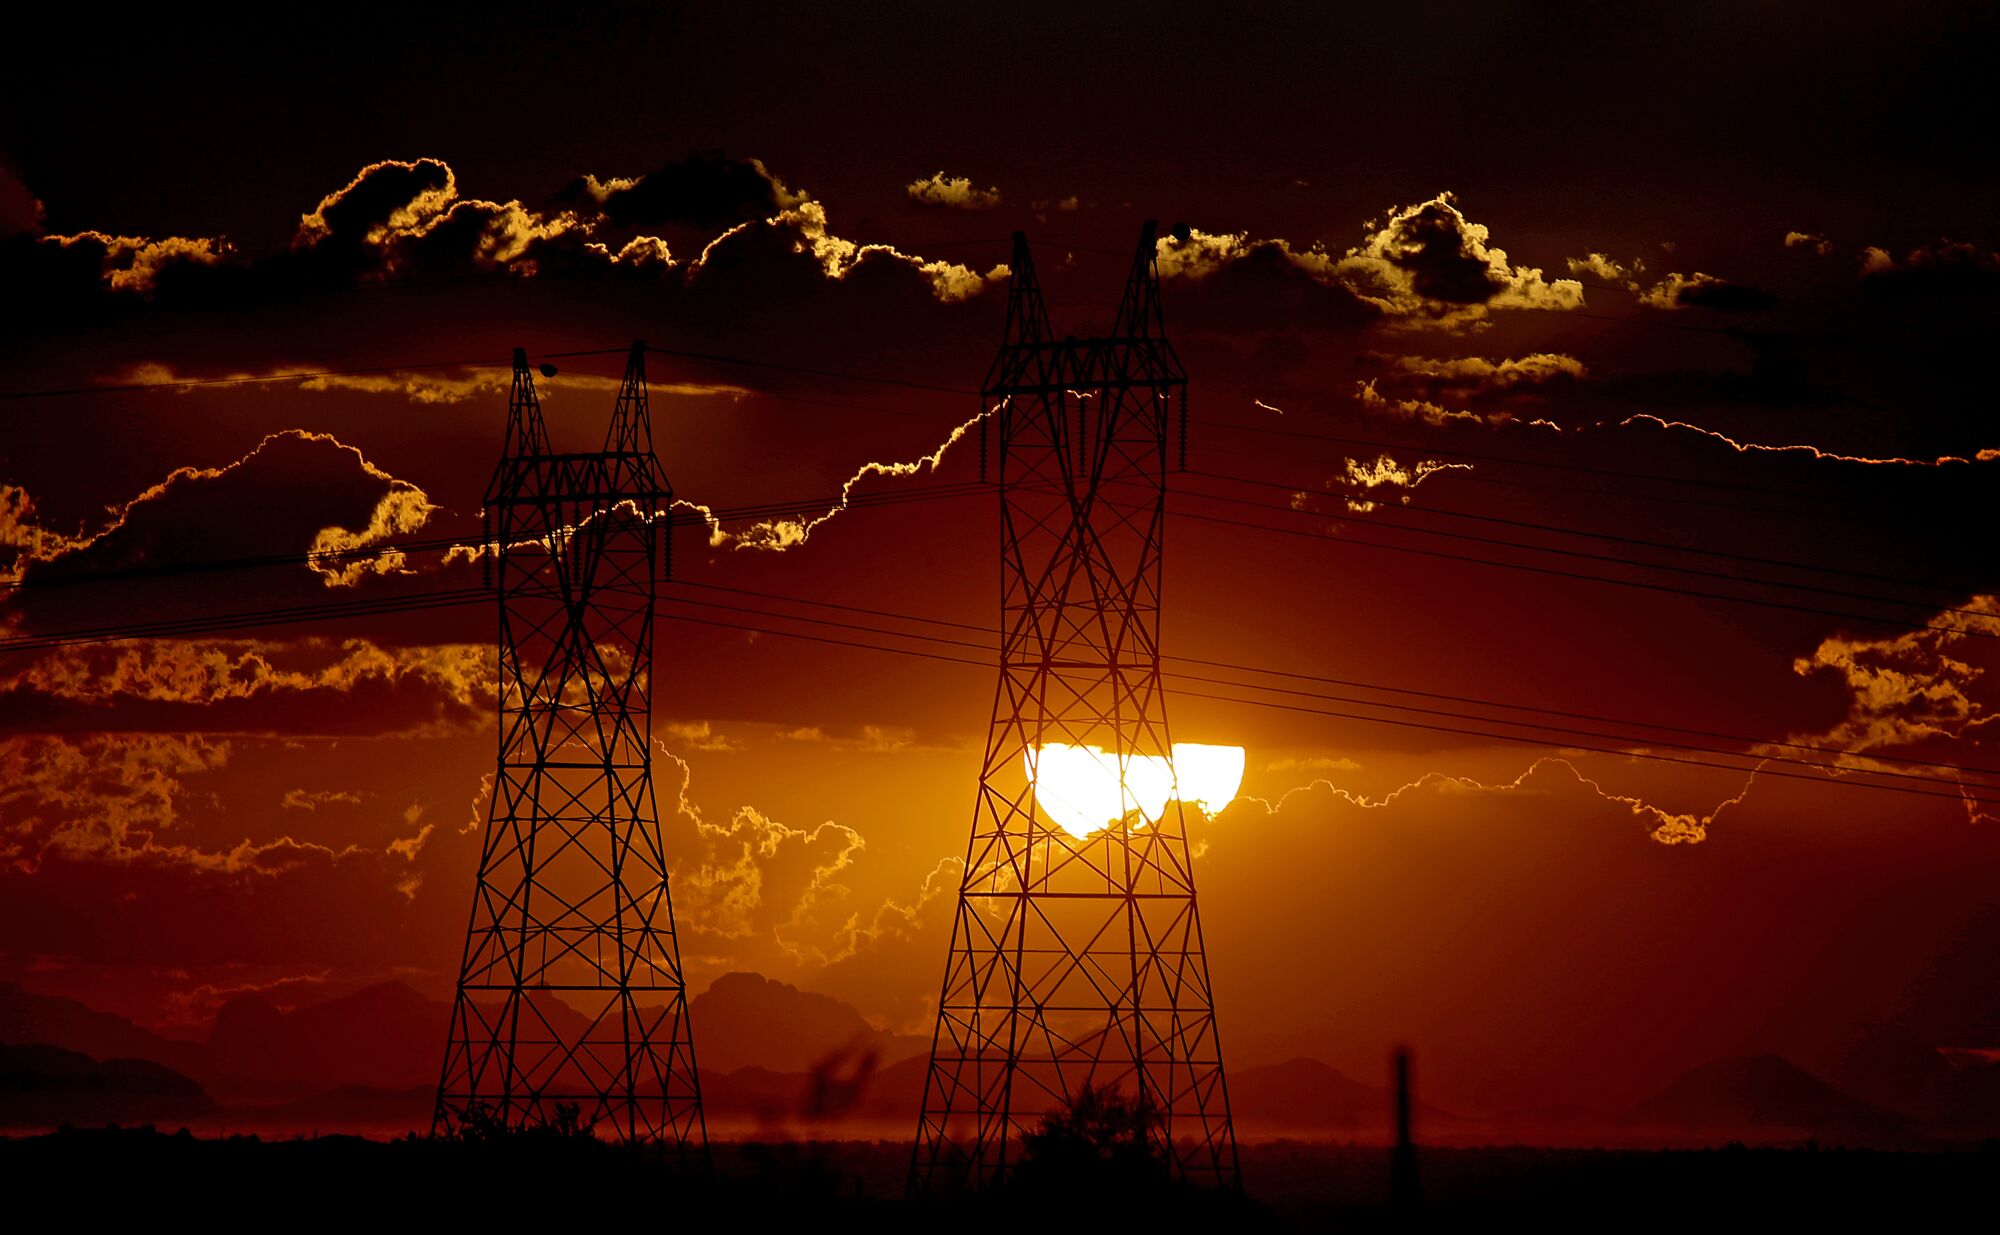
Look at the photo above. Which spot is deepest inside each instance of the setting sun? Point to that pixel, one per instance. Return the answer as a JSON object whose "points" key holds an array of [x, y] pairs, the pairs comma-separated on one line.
{"points": [[1079, 787]]}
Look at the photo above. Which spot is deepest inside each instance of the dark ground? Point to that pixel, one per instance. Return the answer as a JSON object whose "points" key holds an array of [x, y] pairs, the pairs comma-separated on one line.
{"points": [[1289, 1186]]}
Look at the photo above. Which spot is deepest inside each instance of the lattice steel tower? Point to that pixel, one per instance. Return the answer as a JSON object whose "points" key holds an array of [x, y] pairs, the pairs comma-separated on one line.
{"points": [[1077, 960], [570, 991]]}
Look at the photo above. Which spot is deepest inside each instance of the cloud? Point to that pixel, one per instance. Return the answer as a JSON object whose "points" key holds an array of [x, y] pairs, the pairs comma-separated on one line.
{"points": [[1316, 763], [1945, 270], [957, 193], [1421, 266], [839, 257], [1911, 689], [778, 535], [1428, 263], [1362, 478], [312, 800], [1603, 267], [426, 387], [1372, 399], [1809, 240], [103, 797], [399, 219], [754, 878], [402, 510], [700, 735], [867, 739], [1706, 291], [300, 686], [1438, 390], [761, 893], [21, 212], [706, 189], [310, 492], [1201, 254], [409, 227], [121, 799], [1663, 825], [1802, 450], [195, 1007], [384, 200], [136, 264], [1477, 374], [22, 535]]}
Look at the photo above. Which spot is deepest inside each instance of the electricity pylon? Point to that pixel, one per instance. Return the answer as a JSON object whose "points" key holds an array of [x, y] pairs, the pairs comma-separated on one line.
{"points": [[570, 993], [1077, 960]]}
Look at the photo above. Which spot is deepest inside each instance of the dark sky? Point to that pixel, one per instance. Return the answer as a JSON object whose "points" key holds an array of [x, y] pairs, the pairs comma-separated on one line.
{"points": [[1700, 299]]}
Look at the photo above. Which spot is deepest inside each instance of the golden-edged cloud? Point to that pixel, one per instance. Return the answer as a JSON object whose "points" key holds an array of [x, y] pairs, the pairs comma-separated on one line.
{"points": [[778, 535], [1912, 688], [1602, 266], [458, 680], [1800, 449], [1429, 263], [1477, 374], [1663, 825], [1419, 266], [1705, 291], [133, 264], [951, 192], [121, 799]]}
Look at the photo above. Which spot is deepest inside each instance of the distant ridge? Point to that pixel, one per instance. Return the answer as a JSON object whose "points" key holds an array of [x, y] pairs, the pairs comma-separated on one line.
{"points": [[1759, 1093], [1306, 1094], [53, 1020], [42, 1086], [747, 1020]]}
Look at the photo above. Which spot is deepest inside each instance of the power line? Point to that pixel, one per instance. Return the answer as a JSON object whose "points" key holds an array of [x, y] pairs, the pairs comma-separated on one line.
{"points": [[1374, 686], [212, 623], [1626, 494], [207, 624], [430, 366], [1392, 508], [1641, 584], [800, 509], [737, 514], [1323, 696], [1475, 477], [298, 614], [873, 379], [1958, 794], [1514, 460]]}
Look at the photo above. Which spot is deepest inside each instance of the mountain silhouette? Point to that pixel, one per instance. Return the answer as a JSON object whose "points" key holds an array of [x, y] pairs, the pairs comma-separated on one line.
{"points": [[1890, 1067], [1306, 1095], [42, 1086], [1759, 1094], [52, 1020], [747, 1020], [388, 1036], [350, 1108]]}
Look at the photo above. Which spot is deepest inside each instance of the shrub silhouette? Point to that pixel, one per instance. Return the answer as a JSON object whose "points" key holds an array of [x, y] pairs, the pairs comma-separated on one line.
{"points": [[1102, 1140], [481, 1123]]}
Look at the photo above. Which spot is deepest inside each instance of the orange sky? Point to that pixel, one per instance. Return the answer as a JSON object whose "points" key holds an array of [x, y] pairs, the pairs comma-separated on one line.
{"points": [[1584, 374]]}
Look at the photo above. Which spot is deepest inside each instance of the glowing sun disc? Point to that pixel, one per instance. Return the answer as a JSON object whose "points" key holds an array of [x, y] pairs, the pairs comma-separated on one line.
{"points": [[1080, 790]]}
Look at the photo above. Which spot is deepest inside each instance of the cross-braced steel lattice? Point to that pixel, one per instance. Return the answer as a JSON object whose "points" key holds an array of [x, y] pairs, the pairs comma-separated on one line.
{"points": [[1077, 960], [570, 993]]}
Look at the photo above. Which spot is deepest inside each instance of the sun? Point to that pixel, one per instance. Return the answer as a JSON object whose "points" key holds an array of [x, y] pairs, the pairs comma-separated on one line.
{"points": [[1080, 790]]}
